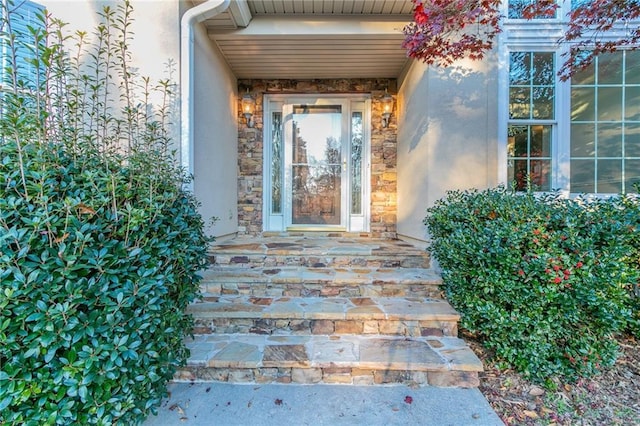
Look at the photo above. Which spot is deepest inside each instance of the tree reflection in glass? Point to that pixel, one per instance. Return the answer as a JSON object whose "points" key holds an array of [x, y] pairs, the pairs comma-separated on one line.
{"points": [[317, 165]]}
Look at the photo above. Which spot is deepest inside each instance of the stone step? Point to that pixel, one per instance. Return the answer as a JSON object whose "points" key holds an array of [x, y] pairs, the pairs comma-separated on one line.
{"points": [[319, 252], [410, 316], [322, 282], [352, 359], [325, 309]]}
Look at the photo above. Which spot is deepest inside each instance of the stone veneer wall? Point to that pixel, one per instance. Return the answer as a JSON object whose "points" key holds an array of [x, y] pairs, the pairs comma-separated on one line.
{"points": [[383, 150]]}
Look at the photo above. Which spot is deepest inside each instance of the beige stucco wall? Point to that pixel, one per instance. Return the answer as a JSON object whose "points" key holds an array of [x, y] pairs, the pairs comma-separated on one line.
{"points": [[155, 43], [155, 28], [447, 136], [215, 136]]}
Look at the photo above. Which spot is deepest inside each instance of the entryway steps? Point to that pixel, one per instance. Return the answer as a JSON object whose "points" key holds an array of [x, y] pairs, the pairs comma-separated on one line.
{"points": [[319, 252], [325, 309], [321, 282], [349, 359], [409, 316]]}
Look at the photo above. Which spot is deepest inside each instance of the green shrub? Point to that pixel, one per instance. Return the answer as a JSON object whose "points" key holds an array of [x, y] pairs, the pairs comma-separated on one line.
{"points": [[99, 245], [627, 210], [545, 282]]}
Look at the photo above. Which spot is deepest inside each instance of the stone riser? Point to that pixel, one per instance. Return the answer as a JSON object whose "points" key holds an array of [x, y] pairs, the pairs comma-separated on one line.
{"points": [[432, 291], [348, 359], [272, 261], [329, 375], [325, 327], [322, 282]]}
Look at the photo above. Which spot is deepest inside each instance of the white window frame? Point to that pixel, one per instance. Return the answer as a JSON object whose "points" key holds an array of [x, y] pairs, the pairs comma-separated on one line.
{"points": [[553, 122], [538, 35], [559, 125]]}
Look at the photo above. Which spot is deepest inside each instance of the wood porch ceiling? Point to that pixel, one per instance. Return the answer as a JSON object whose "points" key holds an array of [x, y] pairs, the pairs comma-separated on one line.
{"points": [[312, 39]]}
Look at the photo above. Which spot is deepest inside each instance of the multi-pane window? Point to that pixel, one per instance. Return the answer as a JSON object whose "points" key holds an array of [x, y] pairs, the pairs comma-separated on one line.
{"points": [[580, 135], [605, 125], [17, 49], [515, 9], [531, 115]]}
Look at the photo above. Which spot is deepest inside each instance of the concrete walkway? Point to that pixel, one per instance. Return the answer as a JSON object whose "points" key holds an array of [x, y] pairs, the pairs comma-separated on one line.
{"points": [[221, 404]]}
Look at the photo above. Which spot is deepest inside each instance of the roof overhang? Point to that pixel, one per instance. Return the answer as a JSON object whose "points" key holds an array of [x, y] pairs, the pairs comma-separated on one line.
{"points": [[312, 39]]}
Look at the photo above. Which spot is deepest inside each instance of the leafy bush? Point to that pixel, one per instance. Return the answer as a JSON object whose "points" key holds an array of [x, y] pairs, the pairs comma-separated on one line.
{"points": [[627, 210], [99, 245], [546, 282]]}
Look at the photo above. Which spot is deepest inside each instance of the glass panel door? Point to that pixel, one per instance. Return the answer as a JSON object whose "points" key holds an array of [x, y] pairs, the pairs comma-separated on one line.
{"points": [[317, 159], [317, 196]]}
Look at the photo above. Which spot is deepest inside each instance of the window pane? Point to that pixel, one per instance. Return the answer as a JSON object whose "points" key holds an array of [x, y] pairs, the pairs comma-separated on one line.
{"points": [[632, 74], [632, 140], [609, 103], [356, 163], [583, 141], [583, 105], [276, 163], [610, 176], [540, 171], [610, 68], [543, 102], [582, 176], [585, 76], [516, 7], [517, 174], [521, 144], [632, 103], [609, 140], [540, 141], [517, 141], [576, 3], [519, 102], [520, 68], [632, 175], [543, 69]]}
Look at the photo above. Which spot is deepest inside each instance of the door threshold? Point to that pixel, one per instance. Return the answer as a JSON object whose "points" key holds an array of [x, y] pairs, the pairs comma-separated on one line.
{"points": [[315, 229], [316, 234]]}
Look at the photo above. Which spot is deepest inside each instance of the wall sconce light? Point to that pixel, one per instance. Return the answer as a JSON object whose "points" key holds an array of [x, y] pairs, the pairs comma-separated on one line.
{"points": [[387, 108], [248, 108]]}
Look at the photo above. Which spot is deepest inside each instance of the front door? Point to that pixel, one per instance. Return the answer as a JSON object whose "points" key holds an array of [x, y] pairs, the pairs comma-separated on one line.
{"points": [[316, 158]]}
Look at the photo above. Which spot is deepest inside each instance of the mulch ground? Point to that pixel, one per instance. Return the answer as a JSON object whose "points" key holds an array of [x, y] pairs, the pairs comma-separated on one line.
{"points": [[612, 398]]}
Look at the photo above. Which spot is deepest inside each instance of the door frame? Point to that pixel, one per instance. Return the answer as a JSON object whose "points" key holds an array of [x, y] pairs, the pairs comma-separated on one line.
{"points": [[351, 103]]}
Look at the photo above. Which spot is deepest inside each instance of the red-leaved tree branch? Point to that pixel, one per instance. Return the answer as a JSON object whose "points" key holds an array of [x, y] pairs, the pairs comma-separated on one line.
{"points": [[589, 29], [446, 31]]}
